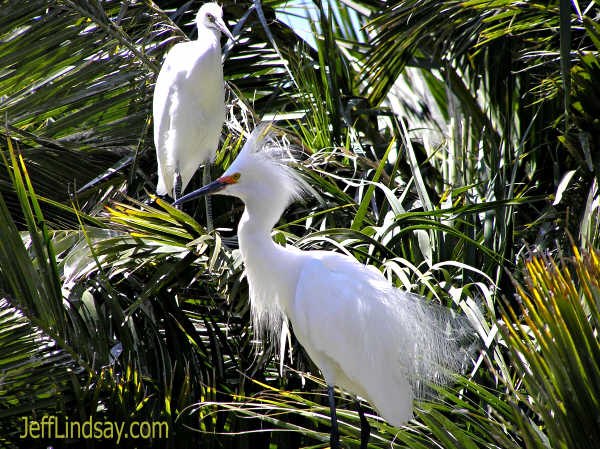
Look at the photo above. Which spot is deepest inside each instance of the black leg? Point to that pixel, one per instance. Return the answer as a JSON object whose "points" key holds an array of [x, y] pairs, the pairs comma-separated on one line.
{"points": [[207, 198], [365, 427], [334, 441], [177, 187]]}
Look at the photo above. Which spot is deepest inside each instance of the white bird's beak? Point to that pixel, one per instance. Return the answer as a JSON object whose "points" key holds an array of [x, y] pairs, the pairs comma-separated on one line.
{"points": [[208, 189], [221, 25]]}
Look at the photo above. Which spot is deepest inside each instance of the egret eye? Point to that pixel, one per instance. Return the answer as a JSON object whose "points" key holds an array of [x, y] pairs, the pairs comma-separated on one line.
{"points": [[235, 176], [210, 17]]}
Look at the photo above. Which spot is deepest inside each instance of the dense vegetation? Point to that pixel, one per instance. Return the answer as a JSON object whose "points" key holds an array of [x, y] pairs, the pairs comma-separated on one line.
{"points": [[454, 145]]}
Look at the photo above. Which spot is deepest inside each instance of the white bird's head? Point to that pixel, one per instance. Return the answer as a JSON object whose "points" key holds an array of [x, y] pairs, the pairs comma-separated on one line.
{"points": [[210, 16], [258, 176]]}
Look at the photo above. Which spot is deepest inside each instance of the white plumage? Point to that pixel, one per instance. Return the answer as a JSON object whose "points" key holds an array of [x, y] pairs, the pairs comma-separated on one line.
{"points": [[189, 103], [365, 335]]}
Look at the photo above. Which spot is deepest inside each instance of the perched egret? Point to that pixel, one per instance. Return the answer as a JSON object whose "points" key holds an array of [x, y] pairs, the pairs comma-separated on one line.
{"points": [[189, 104], [365, 335]]}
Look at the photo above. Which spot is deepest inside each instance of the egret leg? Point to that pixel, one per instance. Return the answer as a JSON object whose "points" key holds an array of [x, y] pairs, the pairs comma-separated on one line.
{"points": [[177, 187], [207, 198], [334, 440], [365, 427]]}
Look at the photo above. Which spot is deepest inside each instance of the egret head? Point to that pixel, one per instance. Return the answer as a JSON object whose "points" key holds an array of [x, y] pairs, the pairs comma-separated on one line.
{"points": [[210, 15], [258, 176]]}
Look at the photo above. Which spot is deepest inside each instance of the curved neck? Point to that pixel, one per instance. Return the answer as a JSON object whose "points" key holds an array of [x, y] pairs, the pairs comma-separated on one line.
{"points": [[205, 33], [271, 269], [254, 233], [254, 237], [259, 218]]}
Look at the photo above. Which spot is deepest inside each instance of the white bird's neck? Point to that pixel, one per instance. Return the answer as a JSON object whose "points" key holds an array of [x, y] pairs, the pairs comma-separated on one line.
{"points": [[209, 35], [272, 270], [260, 216], [254, 231]]}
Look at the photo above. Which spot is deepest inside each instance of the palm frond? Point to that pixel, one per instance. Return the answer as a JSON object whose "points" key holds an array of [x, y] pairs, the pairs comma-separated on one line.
{"points": [[558, 348]]}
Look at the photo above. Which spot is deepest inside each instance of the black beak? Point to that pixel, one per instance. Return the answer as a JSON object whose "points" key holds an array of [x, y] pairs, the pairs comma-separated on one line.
{"points": [[208, 189]]}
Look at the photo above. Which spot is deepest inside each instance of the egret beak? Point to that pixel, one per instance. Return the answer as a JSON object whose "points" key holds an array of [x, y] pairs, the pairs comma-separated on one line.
{"points": [[221, 25], [208, 189]]}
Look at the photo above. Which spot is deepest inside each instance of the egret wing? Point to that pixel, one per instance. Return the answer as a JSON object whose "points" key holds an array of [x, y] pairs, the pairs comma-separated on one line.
{"points": [[161, 107], [373, 339], [344, 327]]}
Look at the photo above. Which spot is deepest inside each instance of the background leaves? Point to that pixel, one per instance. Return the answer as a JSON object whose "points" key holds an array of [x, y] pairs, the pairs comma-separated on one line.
{"points": [[447, 141]]}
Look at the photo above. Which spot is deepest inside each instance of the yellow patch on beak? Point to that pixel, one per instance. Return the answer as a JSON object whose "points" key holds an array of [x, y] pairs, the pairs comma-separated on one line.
{"points": [[233, 179]]}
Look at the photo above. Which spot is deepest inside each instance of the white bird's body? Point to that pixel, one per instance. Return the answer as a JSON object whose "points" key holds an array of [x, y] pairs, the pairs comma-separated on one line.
{"points": [[365, 335], [188, 115], [335, 330], [189, 103]]}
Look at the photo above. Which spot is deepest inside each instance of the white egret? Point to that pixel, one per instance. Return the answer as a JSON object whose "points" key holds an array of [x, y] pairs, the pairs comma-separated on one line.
{"points": [[365, 335], [189, 104]]}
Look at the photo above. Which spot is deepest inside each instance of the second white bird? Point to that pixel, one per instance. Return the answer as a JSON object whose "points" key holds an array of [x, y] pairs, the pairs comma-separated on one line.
{"points": [[189, 103]]}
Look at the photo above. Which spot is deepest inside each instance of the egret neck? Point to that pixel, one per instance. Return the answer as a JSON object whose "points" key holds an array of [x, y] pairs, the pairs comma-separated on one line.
{"points": [[272, 269]]}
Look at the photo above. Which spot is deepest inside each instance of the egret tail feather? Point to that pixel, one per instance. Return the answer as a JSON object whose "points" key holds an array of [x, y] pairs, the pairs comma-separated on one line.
{"points": [[442, 343]]}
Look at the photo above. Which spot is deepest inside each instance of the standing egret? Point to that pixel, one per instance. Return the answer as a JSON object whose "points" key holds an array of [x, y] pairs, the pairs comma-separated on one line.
{"points": [[365, 335], [189, 105]]}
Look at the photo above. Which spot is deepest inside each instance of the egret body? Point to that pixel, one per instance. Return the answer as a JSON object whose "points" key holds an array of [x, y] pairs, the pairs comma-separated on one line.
{"points": [[189, 103], [365, 335]]}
